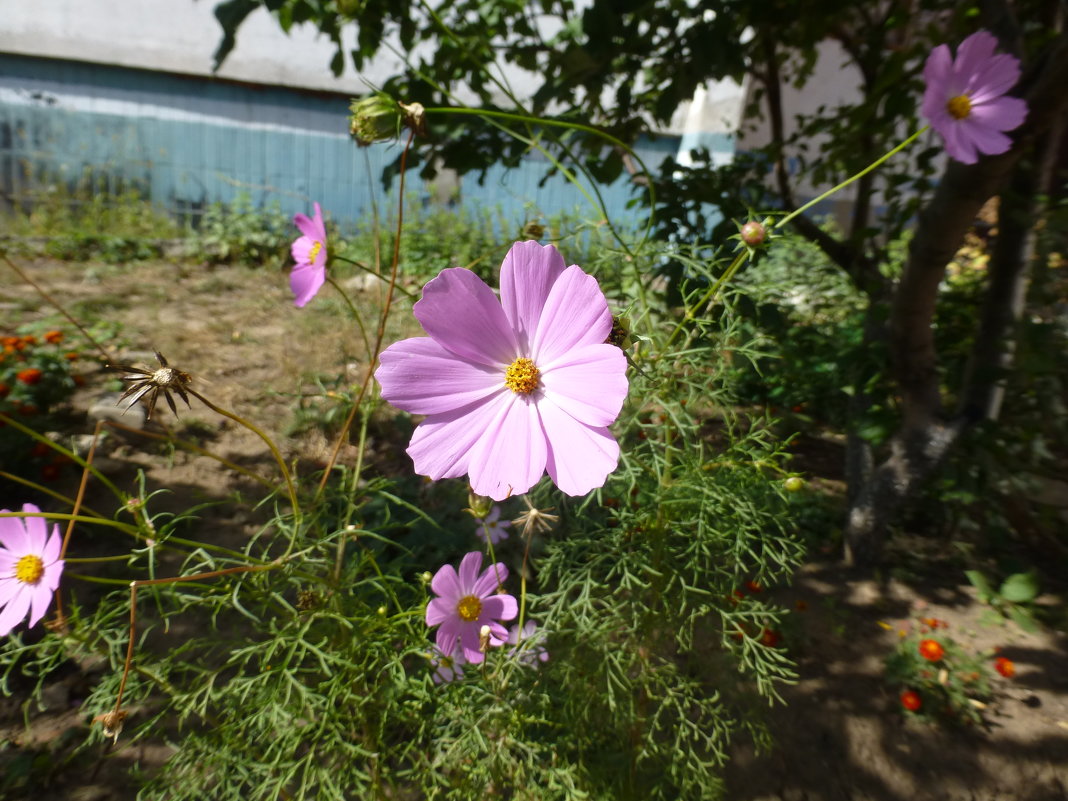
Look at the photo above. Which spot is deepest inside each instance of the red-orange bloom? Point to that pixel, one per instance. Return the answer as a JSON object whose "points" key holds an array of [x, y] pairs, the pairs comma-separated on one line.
{"points": [[910, 699], [55, 337], [754, 586], [931, 650], [1006, 667], [770, 638], [31, 375]]}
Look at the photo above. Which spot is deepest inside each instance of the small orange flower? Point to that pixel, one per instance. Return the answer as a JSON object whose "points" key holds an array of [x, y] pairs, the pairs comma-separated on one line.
{"points": [[31, 375], [72, 355], [79, 380], [1006, 667], [54, 337], [931, 650], [910, 699], [26, 341], [770, 638], [934, 623], [754, 586]]}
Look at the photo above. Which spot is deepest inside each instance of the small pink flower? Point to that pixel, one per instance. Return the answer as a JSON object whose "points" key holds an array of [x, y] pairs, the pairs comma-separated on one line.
{"points": [[530, 648], [30, 568], [447, 668], [466, 602], [493, 527], [515, 387], [309, 253], [965, 99]]}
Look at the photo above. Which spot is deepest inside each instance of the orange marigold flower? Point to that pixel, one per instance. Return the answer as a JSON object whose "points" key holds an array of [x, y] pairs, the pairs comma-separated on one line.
{"points": [[31, 375], [754, 586], [931, 650], [28, 340], [910, 699], [54, 337], [770, 638], [1006, 667], [72, 355]]}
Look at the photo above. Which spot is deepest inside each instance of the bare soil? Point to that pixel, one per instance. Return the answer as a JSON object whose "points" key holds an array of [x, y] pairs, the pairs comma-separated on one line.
{"points": [[841, 734]]}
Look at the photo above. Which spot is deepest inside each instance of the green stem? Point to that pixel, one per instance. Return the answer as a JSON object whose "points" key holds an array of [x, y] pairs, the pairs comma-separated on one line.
{"points": [[352, 310]]}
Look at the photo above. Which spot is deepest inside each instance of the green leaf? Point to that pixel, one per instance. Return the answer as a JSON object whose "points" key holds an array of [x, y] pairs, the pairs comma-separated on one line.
{"points": [[978, 580], [1020, 588]]}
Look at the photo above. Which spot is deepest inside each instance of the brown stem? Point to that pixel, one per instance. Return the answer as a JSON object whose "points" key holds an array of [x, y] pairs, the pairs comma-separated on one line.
{"points": [[343, 434]]}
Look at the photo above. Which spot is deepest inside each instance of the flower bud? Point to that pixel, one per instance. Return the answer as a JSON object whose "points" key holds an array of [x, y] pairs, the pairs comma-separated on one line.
{"points": [[754, 234], [484, 639], [375, 118], [426, 577], [794, 484], [479, 505]]}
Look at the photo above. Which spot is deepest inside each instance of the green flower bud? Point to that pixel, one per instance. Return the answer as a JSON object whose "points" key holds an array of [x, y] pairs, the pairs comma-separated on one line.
{"points": [[479, 505], [794, 484], [754, 234], [375, 118]]}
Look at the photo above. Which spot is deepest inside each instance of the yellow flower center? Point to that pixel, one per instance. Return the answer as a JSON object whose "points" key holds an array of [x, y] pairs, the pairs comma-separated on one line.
{"points": [[522, 376], [469, 608], [315, 248], [29, 569], [959, 107]]}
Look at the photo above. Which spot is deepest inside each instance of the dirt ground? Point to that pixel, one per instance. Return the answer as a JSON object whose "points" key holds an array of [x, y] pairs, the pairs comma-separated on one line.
{"points": [[840, 736]]}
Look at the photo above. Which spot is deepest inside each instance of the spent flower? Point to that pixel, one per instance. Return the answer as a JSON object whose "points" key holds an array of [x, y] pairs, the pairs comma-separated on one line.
{"points": [[515, 387], [30, 567], [491, 527], [966, 98]]}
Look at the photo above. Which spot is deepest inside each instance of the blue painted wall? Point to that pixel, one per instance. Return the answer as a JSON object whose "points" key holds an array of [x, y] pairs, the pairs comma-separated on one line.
{"points": [[186, 142]]}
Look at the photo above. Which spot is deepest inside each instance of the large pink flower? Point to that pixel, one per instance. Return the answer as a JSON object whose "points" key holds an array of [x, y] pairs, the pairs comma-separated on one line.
{"points": [[966, 101], [309, 253], [514, 387], [466, 602], [30, 568]]}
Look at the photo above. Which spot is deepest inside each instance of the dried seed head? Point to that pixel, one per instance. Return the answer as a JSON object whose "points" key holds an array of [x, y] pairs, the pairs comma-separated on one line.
{"points": [[150, 384]]}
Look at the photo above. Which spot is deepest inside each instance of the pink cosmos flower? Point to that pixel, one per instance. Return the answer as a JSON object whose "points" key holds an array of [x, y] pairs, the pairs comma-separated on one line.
{"points": [[492, 526], [447, 668], [966, 101], [511, 387], [309, 253], [30, 568], [530, 648], [467, 602]]}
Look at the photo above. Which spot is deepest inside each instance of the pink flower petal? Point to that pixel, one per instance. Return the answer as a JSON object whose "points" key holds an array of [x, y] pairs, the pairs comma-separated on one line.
{"points": [[438, 611], [448, 634], [509, 457], [527, 275], [589, 383], [499, 607], [301, 250], [41, 597], [36, 529], [494, 576], [575, 314], [470, 566], [958, 145], [52, 575], [463, 315], [312, 228], [9, 586], [305, 281], [420, 376], [446, 583], [994, 79], [469, 641], [441, 445], [937, 70], [15, 610], [1002, 114], [580, 456], [50, 552], [973, 52], [985, 139], [13, 535]]}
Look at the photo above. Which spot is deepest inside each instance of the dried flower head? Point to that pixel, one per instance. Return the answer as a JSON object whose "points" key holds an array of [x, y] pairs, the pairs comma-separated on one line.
{"points": [[152, 383], [535, 521], [112, 723]]}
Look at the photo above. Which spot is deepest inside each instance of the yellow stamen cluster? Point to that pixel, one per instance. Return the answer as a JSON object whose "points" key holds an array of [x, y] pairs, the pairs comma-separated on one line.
{"points": [[315, 248], [469, 608], [29, 569], [959, 107], [522, 376]]}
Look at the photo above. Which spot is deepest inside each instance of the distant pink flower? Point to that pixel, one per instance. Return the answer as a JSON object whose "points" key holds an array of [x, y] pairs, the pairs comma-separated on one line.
{"points": [[309, 252], [492, 525], [447, 668], [966, 101], [511, 387], [530, 648], [466, 602], [30, 568]]}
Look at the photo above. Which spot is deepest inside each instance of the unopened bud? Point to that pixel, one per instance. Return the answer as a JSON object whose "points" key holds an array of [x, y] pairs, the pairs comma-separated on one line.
{"points": [[754, 233], [484, 639], [479, 505], [375, 118], [794, 484], [533, 230], [426, 577]]}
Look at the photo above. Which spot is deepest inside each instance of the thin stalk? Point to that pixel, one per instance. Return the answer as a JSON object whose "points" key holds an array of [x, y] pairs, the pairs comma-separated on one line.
{"points": [[352, 310]]}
